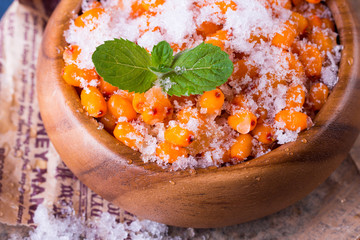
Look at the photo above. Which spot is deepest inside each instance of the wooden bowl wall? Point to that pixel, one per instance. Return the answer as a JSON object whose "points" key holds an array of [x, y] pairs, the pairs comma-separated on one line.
{"points": [[207, 197]]}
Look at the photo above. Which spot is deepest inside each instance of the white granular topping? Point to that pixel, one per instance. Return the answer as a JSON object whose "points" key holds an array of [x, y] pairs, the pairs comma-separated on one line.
{"points": [[176, 21]]}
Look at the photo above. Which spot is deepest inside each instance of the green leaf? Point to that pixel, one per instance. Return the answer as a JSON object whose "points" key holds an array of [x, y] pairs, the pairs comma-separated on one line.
{"points": [[200, 69], [124, 64], [162, 55]]}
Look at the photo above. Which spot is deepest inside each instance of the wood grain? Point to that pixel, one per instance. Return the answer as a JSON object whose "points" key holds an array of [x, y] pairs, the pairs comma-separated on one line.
{"points": [[209, 197]]}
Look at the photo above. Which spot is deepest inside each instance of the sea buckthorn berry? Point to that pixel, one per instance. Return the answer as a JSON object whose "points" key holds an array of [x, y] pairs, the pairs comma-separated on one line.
{"points": [[300, 22], [218, 39], [71, 53], [243, 121], [88, 17], [188, 113], [179, 136], [225, 5], [109, 122], [78, 77], [212, 101], [296, 67], [328, 24], [311, 59], [128, 135], [264, 133], [153, 115], [324, 42], [121, 107], [106, 88], [318, 95], [275, 80], [285, 37], [208, 28], [313, 1], [140, 7], [241, 149], [93, 102], [292, 120], [139, 102], [156, 107], [241, 69], [295, 97], [314, 22], [169, 152]]}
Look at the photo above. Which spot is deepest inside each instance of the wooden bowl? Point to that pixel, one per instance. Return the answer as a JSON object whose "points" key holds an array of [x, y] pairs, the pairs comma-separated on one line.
{"points": [[205, 197]]}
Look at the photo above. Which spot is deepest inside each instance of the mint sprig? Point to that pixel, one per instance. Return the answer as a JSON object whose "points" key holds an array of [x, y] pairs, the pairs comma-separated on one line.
{"points": [[128, 66]]}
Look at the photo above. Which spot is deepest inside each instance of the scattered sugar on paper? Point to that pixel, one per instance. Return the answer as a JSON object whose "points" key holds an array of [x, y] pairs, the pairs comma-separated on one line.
{"points": [[106, 227]]}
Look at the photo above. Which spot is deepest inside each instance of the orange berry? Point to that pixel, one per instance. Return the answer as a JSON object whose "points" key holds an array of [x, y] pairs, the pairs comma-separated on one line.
{"points": [[88, 17], [138, 8], [71, 53], [139, 102], [109, 122], [292, 120], [318, 95], [296, 66], [169, 152], [313, 1], [285, 37], [324, 42], [128, 135], [179, 136], [154, 106], [295, 97], [93, 102], [242, 121], [225, 5], [300, 22], [328, 24], [264, 133], [218, 39], [153, 115], [207, 28], [314, 22], [106, 88], [121, 107], [311, 59], [241, 149], [212, 101], [77, 77], [241, 69]]}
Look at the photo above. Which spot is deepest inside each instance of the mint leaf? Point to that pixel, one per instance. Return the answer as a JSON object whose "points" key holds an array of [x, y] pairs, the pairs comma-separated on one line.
{"points": [[125, 65], [162, 55], [200, 69]]}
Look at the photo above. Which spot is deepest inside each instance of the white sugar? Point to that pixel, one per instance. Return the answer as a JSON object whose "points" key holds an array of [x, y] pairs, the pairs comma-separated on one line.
{"points": [[106, 227]]}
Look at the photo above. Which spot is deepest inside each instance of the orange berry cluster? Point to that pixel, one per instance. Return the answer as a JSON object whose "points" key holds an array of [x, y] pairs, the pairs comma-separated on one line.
{"points": [[304, 39]]}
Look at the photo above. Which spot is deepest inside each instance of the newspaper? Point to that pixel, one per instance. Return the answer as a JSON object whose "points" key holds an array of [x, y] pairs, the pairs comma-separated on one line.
{"points": [[27, 177], [31, 172]]}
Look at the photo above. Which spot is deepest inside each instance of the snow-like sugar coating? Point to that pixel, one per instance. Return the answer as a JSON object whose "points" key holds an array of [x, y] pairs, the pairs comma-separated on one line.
{"points": [[263, 79]]}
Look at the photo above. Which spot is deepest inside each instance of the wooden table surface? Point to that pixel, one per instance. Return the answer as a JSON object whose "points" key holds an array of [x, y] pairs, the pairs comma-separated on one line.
{"points": [[6, 231]]}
